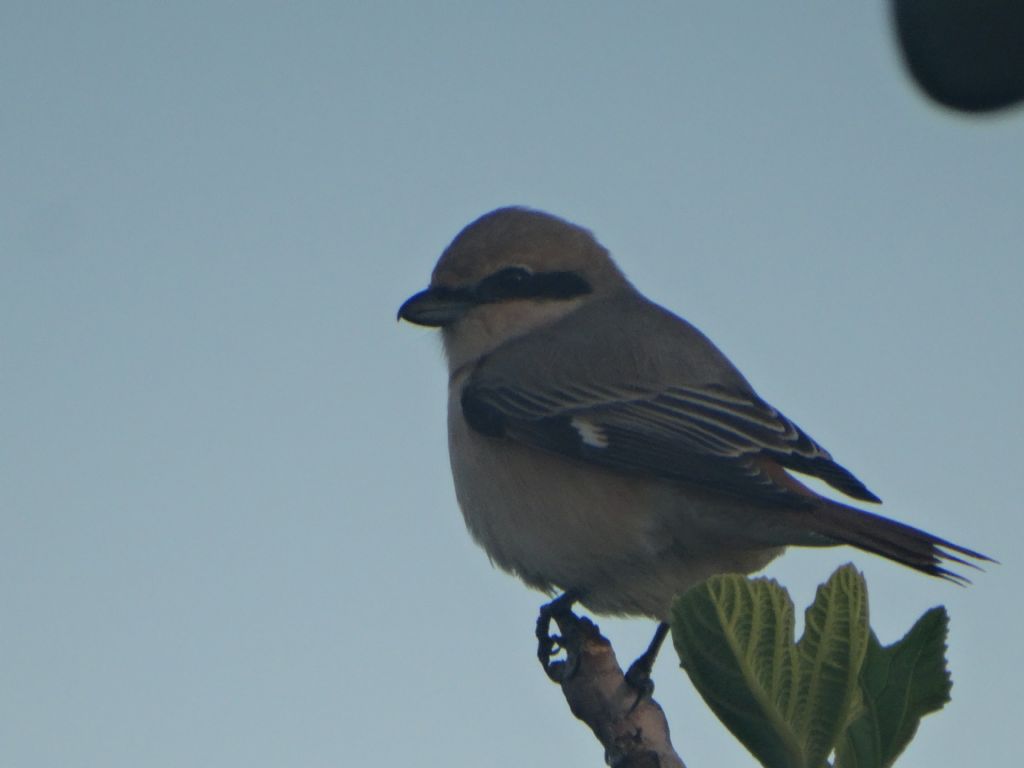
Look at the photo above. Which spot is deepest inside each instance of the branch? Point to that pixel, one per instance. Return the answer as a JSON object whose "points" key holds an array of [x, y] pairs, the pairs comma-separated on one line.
{"points": [[629, 724]]}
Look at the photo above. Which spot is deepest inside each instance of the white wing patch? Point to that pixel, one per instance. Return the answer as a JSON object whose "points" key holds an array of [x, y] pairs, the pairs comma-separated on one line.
{"points": [[590, 433]]}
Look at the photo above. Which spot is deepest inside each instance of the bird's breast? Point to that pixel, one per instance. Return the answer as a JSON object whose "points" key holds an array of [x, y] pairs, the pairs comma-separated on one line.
{"points": [[549, 519]]}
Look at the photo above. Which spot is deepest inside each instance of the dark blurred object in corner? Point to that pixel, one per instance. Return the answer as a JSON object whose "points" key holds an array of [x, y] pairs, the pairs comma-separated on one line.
{"points": [[966, 54]]}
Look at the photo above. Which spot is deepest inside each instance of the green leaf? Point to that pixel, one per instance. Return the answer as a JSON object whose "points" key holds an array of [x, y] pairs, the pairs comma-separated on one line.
{"points": [[734, 637], [787, 702], [831, 653], [901, 683]]}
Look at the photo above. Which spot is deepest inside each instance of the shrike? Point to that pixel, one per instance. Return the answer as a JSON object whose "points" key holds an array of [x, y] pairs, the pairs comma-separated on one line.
{"points": [[602, 446]]}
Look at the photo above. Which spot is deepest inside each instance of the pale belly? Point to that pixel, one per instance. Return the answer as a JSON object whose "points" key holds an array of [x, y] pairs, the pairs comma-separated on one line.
{"points": [[629, 545]]}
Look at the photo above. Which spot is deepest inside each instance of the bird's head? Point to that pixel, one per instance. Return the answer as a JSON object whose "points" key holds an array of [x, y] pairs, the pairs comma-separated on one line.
{"points": [[511, 271]]}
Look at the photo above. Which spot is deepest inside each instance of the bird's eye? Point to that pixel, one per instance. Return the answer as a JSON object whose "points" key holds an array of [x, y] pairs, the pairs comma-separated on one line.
{"points": [[507, 283], [512, 277]]}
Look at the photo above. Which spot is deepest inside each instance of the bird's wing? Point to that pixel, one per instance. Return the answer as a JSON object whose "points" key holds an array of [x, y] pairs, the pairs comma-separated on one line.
{"points": [[702, 436], [663, 401]]}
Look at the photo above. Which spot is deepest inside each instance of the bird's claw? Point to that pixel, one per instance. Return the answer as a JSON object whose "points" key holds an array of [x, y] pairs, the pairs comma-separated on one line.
{"points": [[549, 645], [638, 676]]}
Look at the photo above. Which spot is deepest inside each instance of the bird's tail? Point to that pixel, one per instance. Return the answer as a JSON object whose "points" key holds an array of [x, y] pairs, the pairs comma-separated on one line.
{"points": [[901, 543]]}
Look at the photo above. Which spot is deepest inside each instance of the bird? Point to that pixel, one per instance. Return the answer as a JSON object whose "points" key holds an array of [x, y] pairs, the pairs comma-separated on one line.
{"points": [[604, 447]]}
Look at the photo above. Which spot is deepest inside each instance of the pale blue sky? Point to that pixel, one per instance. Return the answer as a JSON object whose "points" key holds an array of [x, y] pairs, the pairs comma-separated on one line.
{"points": [[227, 530]]}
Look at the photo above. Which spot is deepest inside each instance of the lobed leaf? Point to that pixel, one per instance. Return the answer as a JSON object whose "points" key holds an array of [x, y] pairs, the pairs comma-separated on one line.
{"points": [[901, 683], [787, 702]]}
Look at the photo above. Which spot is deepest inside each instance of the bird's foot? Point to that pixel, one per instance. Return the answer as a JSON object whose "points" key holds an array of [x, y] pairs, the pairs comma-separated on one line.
{"points": [[638, 676], [549, 645]]}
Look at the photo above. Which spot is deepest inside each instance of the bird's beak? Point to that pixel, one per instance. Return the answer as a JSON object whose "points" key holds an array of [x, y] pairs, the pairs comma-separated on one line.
{"points": [[436, 307]]}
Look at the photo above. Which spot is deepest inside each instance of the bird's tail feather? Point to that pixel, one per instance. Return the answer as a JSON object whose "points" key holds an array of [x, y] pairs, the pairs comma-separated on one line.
{"points": [[901, 543]]}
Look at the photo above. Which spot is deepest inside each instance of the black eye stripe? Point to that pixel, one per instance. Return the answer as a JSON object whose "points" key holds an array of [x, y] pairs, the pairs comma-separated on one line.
{"points": [[509, 281], [520, 283]]}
